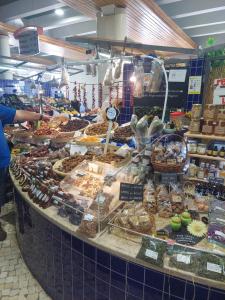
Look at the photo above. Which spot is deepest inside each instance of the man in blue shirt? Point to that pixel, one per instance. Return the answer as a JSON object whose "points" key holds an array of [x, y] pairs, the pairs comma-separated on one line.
{"points": [[9, 116]]}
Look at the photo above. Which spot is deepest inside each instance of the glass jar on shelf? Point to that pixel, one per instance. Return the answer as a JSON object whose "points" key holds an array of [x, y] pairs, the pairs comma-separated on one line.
{"points": [[192, 146], [194, 126], [196, 111], [201, 149], [201, 171], [208, 127], [193, 169]]}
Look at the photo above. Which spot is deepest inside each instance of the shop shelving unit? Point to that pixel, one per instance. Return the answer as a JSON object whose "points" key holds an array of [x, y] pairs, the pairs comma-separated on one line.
{"points": [[206, 157], [210, 138], [204, 136]]}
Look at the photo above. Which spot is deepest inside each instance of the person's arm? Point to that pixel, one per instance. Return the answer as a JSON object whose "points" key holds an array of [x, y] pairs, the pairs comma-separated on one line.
{"points": [[23, 115]]}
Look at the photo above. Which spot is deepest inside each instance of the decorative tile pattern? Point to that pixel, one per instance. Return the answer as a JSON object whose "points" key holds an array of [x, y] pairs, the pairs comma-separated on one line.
{"points": [[16, 281], [196, 68], [70, 269]]}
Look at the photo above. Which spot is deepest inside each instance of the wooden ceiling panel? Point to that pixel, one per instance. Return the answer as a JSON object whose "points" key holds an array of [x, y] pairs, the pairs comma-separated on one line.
{"points": [[146, 22]]}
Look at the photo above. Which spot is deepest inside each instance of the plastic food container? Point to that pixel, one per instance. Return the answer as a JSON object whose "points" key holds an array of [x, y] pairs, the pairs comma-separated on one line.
{"points": [[178, 119]]}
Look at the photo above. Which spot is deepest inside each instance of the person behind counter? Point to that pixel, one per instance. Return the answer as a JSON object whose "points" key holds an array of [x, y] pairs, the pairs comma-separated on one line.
{"points": [[9, 116]]}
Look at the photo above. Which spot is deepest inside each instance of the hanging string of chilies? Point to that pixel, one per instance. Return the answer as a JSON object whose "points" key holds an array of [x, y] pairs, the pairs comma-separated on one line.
{"points": [[75, 91], [79, 94], [93, 96], [100, 95], [85, 96]]}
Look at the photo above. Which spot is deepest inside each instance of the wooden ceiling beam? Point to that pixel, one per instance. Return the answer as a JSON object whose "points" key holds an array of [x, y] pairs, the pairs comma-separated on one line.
{"points": [[146, 21], [52, 46]]}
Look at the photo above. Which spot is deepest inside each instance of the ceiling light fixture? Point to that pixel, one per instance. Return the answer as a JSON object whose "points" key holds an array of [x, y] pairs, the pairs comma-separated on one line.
{"points": [[59, 12]]}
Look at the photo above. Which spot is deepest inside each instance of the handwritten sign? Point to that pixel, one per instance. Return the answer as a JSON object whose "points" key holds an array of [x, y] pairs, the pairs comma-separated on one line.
{"points": [[131, 192]]}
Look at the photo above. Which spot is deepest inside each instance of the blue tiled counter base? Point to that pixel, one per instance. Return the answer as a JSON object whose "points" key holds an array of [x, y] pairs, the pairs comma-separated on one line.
{"points": [[71, 269]]}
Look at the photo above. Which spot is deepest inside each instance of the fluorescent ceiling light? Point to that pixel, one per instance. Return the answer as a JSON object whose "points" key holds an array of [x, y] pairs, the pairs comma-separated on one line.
{"points": [[105, 55], [87, 33], [204, 25], [199, 12], [59, 12], [210, 34]]}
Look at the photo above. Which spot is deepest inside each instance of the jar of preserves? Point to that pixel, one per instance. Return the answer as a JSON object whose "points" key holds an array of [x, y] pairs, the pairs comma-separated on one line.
{"points": [[201, 149], [208, 127], [210, 112], [192, 147], [196, 111], [220, 128], [194, 126], [221, 112]]}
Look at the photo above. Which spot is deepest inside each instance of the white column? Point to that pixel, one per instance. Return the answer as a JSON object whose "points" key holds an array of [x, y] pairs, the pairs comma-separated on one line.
{"points": [[4, 50]]}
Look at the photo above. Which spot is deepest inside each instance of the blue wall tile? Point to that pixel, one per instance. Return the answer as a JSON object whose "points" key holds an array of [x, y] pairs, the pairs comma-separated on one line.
{"points": [[135, 272], [118, 265], [152, 294], [83, 272]]}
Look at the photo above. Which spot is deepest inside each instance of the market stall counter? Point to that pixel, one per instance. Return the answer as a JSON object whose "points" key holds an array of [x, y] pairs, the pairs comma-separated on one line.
{"points": [[68, 265]]}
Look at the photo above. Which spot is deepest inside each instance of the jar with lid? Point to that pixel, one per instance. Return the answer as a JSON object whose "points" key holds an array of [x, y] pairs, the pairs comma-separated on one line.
{"points": [[192, 147], [177, 118], [201, 171], [220, 128], [201, 149], [212, 171], [194, 126], [210, 112], [208, 127], [196, 111], [221, 113], [192, 171]]}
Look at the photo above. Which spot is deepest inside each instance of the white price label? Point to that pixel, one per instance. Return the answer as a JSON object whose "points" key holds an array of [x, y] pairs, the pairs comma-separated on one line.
{"points": [[220, 233], [214, 268], [186, 259], [152, 254], [78, 149], [101, 199], [88, 217]]}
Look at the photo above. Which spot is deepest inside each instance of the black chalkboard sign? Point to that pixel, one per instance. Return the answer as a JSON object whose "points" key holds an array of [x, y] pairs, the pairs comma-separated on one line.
{"points": [[217, 180], [131, 192], [167, 178]]}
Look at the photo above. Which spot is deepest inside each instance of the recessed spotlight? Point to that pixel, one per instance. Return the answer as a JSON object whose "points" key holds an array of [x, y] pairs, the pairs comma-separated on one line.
{"points": [[59, 12]]}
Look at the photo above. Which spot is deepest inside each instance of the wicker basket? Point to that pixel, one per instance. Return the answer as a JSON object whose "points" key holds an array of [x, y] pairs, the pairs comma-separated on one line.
{"points": [[165, 167]]}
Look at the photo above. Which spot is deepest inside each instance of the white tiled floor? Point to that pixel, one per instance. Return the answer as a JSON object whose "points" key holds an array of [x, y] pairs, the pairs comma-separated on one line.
{"points": [[16, 282]]}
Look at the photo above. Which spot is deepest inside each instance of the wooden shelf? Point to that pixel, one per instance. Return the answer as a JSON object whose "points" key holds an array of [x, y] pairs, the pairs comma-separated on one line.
{"points": [[195, 179], [207, 157], [204, 136]]}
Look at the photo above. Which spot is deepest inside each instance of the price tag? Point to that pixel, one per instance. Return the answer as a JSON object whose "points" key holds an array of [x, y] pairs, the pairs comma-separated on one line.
{"points": [[131, 192], [88, 217], [168, 178], [220, 233], [77, 149], [214, 268], [186, 259], [217, 180], [112, 113], [101, 199], [152, 254]]}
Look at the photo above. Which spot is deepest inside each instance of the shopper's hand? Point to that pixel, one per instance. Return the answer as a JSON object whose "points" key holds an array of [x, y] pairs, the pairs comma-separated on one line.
{"points": [[46, 118]]}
